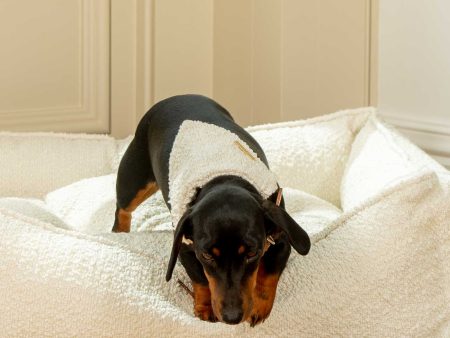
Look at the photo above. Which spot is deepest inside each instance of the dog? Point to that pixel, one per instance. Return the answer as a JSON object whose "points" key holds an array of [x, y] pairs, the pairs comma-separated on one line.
{"points": [[231, 235]]}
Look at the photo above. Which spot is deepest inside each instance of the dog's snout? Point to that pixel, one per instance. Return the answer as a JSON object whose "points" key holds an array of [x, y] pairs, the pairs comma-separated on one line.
{"points": [[232, 315]]}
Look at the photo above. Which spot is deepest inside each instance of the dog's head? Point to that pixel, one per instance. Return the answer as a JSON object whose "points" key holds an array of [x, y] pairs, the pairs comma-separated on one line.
{"points": [[229, 227]]}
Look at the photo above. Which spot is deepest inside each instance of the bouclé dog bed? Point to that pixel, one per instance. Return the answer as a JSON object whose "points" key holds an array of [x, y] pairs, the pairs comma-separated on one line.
{"points": [[376, 207]]}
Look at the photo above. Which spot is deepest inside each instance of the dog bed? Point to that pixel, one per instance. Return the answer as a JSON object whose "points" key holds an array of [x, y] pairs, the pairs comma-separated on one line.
{"points": [[376, 207]]}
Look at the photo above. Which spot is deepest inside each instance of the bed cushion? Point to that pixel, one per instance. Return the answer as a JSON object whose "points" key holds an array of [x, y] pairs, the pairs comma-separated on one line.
{"points": [[379, 157], [311, 155], [377, 268], [32, 164]]}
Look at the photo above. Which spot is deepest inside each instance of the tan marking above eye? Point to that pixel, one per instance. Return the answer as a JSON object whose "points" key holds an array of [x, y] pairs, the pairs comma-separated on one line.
{"points": [[216, 251], [241, 250]]}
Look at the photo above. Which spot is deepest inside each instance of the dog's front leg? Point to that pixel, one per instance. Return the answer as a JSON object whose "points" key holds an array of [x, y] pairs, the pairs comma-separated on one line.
{"points": [[263, 296], [202, 303], [202, 294], [270, 268]]}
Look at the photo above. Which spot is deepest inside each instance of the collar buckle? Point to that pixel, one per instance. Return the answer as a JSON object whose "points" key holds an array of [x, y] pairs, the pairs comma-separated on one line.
{"points": [[270, 240]]}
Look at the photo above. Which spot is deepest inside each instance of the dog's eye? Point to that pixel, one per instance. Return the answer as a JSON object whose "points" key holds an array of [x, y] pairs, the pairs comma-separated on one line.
{"points": [[252, 256], [207, 257]]}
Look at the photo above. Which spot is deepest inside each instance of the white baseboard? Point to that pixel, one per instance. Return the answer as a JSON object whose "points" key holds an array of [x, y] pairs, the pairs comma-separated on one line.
{"points": [[433, 138], [429, 125]]}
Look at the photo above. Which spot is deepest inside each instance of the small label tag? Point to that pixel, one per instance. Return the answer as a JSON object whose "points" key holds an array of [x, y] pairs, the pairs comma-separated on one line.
{"points": [[245, 151]]}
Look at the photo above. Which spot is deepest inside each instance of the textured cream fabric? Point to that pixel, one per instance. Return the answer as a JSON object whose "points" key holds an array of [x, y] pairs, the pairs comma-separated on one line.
{"points": [[377, 269], [311, 155], [379, 157], [32, 164]]}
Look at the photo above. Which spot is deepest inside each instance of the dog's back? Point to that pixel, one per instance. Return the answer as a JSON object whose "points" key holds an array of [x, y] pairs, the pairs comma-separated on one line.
{"points": [[159, 127]]}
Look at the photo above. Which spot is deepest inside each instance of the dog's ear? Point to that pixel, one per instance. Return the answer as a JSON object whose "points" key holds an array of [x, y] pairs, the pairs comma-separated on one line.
{"points": [[298, 237], [183, 224]]}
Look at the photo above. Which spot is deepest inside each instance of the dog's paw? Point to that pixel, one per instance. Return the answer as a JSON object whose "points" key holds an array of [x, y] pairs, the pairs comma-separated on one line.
{"points": [[205, 312], [263, 298], [202, 303], [262, 306]]}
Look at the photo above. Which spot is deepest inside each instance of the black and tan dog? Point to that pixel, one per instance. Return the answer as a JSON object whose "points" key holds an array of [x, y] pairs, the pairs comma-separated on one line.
{"points": [[233, 242]]}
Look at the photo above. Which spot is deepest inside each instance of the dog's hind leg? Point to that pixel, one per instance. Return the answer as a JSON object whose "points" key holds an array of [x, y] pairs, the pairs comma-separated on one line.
{"points": [[135, 183]]}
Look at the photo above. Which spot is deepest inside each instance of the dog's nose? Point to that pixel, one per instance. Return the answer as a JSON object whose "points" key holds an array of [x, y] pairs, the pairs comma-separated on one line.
{"points": [[232, 315]]}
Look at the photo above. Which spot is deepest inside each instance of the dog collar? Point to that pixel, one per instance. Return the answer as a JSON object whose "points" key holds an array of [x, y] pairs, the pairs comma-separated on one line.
{"points": [[269, 238], [188, 241]]}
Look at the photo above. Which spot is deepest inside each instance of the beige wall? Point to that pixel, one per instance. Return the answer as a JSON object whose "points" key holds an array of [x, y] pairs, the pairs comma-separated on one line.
{"points": [[291, 59], [183, 53], [325, 48], [414, 71], [264, 60]]}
